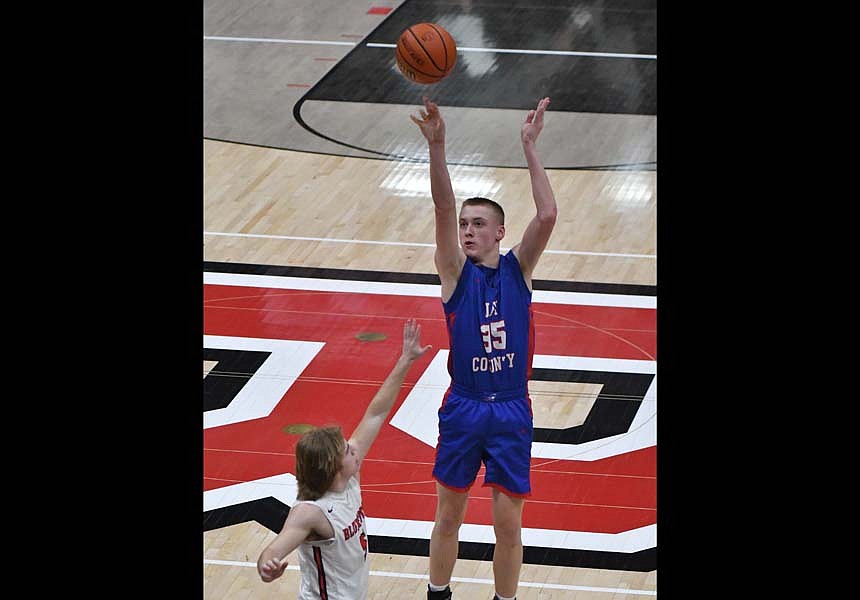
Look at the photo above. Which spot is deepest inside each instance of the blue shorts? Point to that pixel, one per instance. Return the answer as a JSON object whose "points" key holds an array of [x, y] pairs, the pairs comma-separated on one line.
{"points": [[495, 431]]}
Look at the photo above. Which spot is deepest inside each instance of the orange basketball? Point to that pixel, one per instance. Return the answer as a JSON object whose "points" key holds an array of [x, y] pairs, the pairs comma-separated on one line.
{"points": [[425, 53]]}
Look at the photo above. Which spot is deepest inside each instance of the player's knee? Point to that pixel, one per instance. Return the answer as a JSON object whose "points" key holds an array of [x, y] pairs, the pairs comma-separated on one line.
{"points": [[508, 531], [448, 523]]}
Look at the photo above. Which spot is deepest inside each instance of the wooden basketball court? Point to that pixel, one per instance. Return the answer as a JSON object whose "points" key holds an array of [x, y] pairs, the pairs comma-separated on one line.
{"points": [[318, 244]]}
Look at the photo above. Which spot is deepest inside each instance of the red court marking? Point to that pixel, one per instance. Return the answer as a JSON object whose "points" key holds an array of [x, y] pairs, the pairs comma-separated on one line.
{"points": [[571, 330], [567, 494], [379, 10]]}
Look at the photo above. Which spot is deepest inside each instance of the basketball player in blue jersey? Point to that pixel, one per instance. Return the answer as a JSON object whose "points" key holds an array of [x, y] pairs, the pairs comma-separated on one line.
{"points": [[327, 523], [486, 413]]}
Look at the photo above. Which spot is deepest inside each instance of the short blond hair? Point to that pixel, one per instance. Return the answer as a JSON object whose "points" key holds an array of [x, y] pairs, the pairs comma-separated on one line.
{"points": [[479, 201]]}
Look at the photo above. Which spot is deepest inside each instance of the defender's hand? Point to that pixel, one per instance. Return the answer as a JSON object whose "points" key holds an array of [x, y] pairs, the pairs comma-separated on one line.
{"points": [[412, 348], [272, 569]]}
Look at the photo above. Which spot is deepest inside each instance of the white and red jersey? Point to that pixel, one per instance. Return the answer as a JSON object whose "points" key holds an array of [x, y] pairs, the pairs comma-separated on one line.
{"points": [[337, 568]]}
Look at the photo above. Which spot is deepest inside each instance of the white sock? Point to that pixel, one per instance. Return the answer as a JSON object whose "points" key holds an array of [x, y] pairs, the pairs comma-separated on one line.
{"points": [[503, 598], [437, 588]]}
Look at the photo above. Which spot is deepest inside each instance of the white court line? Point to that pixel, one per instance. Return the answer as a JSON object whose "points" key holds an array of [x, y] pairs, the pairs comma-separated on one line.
{"points": [[275, 41], [548, 586], [548, 52], [412, 244], [422, 290], [218, 38]]}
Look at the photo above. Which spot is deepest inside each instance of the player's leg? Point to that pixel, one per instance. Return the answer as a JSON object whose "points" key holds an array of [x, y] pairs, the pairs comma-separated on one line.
{"points": [[444, 540], [508, 462], [508, 553], [458, 458]]}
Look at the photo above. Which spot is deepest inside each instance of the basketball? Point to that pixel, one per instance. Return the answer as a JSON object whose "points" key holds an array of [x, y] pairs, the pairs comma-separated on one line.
{"points": [[425, 53]]}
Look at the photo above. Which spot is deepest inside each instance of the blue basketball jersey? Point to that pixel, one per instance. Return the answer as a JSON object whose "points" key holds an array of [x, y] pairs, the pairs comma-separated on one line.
{"points": [[490, 331]]}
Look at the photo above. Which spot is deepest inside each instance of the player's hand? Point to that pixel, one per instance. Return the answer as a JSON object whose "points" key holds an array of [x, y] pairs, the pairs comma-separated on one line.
{"points": [[430, 123], [412, 348], [272, 569], [534, 123]]}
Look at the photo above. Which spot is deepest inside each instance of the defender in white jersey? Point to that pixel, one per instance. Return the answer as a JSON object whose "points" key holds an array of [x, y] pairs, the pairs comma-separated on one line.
{"points": [[338, 565], [327, 523]]}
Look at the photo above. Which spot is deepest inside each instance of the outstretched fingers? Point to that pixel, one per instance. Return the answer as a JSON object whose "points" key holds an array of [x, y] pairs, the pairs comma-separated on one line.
{"points": [[425, 115], [412, 338], [411, 333], [541, 109]]}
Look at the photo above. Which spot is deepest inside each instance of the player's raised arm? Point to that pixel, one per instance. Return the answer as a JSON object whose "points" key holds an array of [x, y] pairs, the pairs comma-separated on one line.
{"points": [[449, 257], [377, 412], [538, 231]]}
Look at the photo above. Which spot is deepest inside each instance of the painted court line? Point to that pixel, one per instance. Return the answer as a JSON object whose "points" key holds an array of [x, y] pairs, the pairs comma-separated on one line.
{"points": [[411, 244], [543, 52], [548, 586], [219, 38]]}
